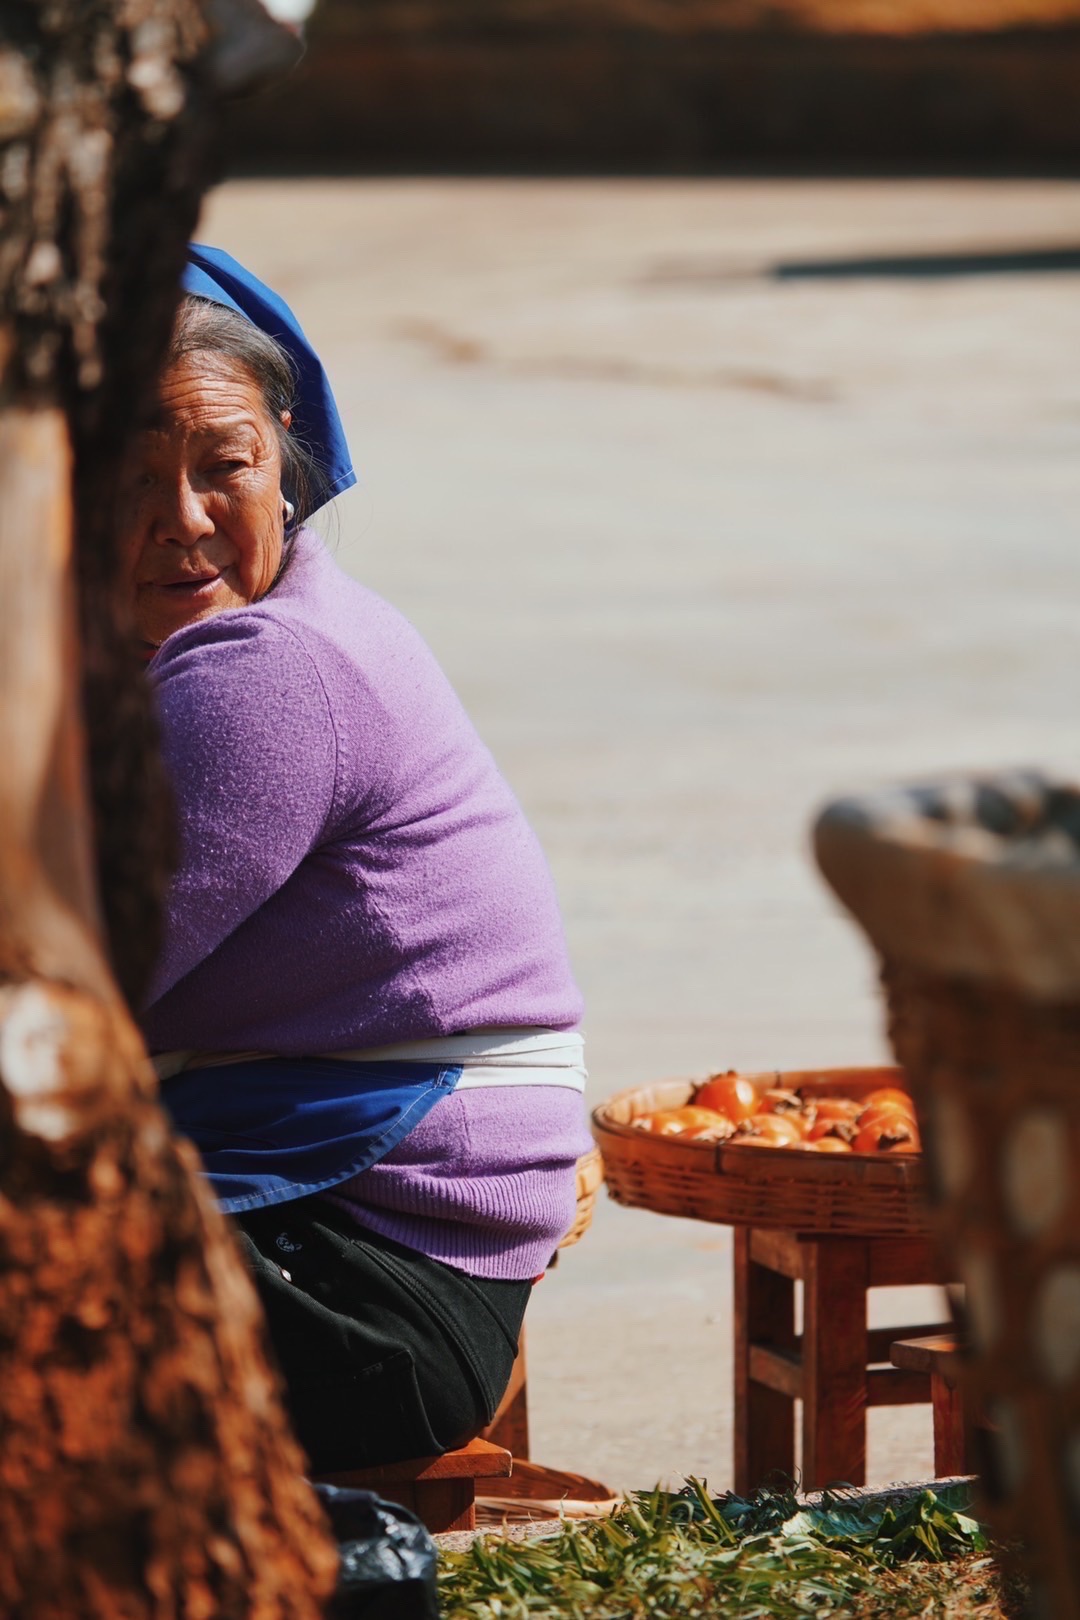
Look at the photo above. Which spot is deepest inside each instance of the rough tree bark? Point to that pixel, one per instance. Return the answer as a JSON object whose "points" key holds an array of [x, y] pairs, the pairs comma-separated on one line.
{"points": [[146, 1468]]}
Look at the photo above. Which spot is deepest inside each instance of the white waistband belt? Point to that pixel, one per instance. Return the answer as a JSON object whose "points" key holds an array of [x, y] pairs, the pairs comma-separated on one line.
{"points": [[498, 1057]]}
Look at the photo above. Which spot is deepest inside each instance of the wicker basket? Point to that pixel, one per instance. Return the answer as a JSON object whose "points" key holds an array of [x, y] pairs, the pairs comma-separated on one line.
{"points": [[970, 890], [860, 1194], [590, 1178]]}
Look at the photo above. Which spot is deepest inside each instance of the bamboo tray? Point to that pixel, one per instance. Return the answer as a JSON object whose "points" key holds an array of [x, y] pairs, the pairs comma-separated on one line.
{"points": [[855, 1194]]}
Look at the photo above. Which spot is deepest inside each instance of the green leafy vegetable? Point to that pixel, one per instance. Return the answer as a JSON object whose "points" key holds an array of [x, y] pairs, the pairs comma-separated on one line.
{"points": [[688, 1556]]}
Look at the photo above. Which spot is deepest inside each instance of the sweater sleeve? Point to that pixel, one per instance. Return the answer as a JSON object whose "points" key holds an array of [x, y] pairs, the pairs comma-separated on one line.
{"points": [[249, 746]]}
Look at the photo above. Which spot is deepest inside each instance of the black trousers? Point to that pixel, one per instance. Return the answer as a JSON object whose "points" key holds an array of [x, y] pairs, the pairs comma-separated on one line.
{"points": [[385, 1353]]}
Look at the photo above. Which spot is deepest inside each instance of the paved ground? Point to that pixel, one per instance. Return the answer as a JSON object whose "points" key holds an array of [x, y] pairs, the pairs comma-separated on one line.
{"points": [[700, 546]]}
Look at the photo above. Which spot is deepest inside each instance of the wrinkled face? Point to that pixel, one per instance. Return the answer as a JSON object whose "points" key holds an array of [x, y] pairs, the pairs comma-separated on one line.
{"points": [[202, 513]]}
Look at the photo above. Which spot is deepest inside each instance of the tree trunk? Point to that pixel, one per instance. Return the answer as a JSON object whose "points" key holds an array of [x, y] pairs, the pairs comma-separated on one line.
{"points": [[146, 1467]]}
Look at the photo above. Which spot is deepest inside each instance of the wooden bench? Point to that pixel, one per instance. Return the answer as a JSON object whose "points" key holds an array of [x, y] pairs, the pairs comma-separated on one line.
{"points": [[441, 1491], [938, 1357], [836, 1367]]}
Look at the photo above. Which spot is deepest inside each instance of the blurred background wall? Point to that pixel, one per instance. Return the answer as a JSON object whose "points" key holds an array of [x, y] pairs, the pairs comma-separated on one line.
{"points": [[655, 86]]}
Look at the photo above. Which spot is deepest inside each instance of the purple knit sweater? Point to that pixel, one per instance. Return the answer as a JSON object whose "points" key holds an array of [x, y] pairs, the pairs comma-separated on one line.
{"points": [[355, 872]]}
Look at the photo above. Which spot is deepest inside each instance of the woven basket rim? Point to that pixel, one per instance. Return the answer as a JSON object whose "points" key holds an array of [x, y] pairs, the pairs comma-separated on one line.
{"points": [[902, 1170]]}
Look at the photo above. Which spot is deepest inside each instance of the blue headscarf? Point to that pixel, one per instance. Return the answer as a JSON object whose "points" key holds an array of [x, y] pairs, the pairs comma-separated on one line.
{"points": [[211, 273]]}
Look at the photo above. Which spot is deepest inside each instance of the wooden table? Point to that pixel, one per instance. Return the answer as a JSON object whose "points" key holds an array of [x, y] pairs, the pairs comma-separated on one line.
{"points": [[836, 1367], [939, 1357]]}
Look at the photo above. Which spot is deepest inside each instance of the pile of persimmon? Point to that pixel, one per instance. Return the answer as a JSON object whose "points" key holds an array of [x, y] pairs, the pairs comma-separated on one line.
{"points": [[729, 1108]]}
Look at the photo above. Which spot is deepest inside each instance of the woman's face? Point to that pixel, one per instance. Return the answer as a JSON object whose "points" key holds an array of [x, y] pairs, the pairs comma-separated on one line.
{"points": [[202, 514]]}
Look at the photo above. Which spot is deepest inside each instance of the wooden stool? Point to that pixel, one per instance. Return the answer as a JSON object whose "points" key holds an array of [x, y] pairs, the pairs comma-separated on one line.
{"points": [[441, 1491], [532, 1482], [939, 1357], [510, 1425], [830, 1366]]}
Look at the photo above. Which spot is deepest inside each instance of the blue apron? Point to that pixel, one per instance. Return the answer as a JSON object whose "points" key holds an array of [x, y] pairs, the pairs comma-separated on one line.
{"points": [[281, 1128]]}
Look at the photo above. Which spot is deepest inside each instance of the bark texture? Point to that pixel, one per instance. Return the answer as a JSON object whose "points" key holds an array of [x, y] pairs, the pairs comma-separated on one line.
{"points": [[146, 1468]]}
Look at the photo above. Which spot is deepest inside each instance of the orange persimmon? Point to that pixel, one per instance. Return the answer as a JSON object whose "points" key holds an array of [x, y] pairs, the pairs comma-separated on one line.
{"points": [[889, 1095], [682, 1121], [834, 1108], [730, 1095], [779, 1100], [777, 1130], [885, 1134], [832, 1130], [885, 1114]]}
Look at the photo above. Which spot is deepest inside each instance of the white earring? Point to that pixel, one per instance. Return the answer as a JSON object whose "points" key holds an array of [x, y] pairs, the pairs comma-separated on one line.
{"points": [[290, 513]]}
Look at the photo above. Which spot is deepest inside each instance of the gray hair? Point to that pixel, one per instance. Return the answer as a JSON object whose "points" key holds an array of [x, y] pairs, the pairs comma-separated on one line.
{"points": [[203, 326]]}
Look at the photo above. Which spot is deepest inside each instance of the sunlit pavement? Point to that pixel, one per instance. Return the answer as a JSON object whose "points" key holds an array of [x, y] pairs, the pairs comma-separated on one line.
{"points": [[701, 544]]}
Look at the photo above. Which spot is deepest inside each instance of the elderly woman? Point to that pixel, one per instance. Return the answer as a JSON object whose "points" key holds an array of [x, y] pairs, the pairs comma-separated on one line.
{"points": [[363, 1015]]}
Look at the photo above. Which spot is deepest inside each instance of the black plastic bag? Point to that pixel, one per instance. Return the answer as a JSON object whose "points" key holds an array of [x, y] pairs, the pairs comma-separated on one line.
{"points": [[388, 1560]]}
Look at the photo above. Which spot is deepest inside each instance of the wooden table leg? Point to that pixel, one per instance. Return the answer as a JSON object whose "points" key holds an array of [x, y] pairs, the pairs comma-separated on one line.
{"points": [[764, 1418], [950, 1429], [835, 1279]]}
